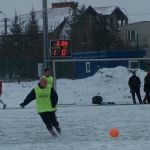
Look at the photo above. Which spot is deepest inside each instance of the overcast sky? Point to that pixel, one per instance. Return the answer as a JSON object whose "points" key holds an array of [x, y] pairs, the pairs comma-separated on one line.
{"points": [[137, 10]]}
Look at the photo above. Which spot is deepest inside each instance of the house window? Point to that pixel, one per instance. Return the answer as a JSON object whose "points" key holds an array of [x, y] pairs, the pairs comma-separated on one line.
{"points": [[88, 67], [131, 35], [119, 23], [134, 64]]}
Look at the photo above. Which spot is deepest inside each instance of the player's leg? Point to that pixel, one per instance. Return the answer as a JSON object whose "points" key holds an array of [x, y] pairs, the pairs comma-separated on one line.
{"points": [[46, 119], [4, 105], [55, 122]]}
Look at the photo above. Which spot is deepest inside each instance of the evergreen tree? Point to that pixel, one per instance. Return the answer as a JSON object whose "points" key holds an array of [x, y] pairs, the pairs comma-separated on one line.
{"points": [[16, 28], [16, 38], [76, 13], [33, 40], [74, 17], [73, 21], [15, 46], [32, 28]]}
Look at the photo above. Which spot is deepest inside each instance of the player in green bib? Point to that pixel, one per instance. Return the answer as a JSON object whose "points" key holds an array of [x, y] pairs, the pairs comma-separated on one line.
{"points": [[48, 77], [45, 105]]}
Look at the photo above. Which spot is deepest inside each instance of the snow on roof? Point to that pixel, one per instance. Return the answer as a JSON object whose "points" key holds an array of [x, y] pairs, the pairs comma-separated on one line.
{"points": [[55, 17], [139, 22], [107, 10], [104, 10]]}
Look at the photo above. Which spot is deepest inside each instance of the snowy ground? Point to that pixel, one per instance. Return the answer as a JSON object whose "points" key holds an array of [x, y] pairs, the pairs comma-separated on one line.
{"points": [[83, 127], [110, 83]]}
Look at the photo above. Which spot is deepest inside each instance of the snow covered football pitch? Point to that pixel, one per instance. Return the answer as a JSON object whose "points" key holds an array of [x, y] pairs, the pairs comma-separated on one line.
{"points": [[83, 128]]}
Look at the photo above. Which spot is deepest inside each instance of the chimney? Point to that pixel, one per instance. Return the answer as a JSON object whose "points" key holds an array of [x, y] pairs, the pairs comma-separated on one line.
{"points": [[65, 4]]}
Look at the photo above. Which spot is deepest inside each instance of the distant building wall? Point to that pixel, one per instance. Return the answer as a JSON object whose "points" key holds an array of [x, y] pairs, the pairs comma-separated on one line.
{"points": [[137, 35], [87, 68]]}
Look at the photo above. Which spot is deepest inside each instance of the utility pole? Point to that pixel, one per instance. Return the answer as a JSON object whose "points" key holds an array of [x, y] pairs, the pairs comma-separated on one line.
{"points": [[45, 33], [5, 24], [137, 41], [5, 28]]}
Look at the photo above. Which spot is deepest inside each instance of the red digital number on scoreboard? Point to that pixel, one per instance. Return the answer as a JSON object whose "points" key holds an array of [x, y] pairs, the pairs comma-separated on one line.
{"points": [[60, 48]]}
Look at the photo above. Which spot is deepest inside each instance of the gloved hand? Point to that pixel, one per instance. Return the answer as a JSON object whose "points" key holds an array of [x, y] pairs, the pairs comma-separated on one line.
{"points": [[22, 105]]}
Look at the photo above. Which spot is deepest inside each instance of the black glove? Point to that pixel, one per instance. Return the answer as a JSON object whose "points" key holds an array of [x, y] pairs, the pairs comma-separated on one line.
{"points": [[22, 105]]}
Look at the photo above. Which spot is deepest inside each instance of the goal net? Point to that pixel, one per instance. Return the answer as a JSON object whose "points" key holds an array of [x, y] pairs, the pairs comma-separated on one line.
{"points": [[77, 81]]}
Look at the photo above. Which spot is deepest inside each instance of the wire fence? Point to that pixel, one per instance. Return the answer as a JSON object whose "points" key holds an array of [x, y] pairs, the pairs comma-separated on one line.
{"points": [[78, 80], [12, 70]]}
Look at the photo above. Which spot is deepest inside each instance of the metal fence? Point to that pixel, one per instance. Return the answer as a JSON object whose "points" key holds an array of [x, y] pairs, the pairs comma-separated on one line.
{"points": [[12, 70]]}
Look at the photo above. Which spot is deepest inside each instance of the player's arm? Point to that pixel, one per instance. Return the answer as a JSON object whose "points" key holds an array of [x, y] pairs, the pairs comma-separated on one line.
{"points": [[30, 97]]}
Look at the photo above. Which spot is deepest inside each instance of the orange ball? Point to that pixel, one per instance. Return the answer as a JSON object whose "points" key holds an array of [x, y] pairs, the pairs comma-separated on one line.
{"points": [[114, 132]]}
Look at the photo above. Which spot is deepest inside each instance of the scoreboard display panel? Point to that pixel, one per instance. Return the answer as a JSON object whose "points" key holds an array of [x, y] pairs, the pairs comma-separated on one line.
{"points": [[60, 48]]}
